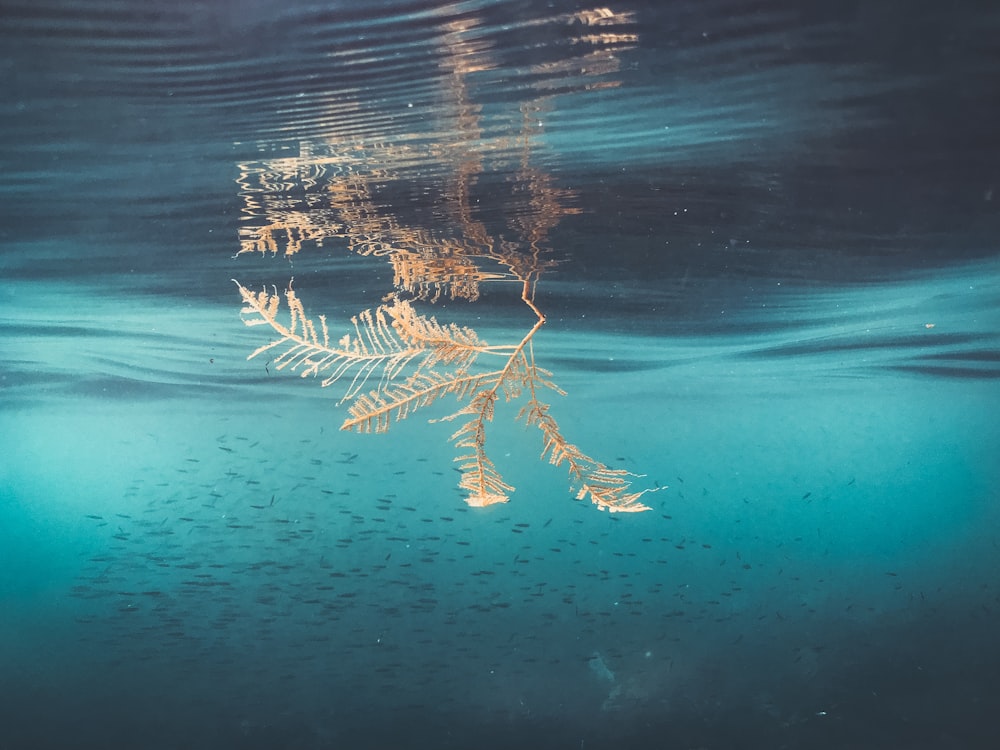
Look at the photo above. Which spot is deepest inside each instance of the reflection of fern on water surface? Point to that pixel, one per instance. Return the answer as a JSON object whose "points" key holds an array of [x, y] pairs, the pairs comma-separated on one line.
{"points": [[352, 193], [416, 360]]}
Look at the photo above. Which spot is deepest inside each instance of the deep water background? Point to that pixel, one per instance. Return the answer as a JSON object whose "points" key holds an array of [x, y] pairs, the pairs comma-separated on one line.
{"points": [[777, 299]]}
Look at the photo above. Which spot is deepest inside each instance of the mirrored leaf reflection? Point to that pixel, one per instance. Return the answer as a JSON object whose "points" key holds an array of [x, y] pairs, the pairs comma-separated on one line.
{"points": [[395, 359]]}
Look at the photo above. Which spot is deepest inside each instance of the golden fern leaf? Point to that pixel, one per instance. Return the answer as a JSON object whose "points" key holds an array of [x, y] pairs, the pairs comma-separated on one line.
{"points": [[607, 488], [450, 344], [385, 341], [307, 349], [483, 483], [479, 476], [375, 410]]}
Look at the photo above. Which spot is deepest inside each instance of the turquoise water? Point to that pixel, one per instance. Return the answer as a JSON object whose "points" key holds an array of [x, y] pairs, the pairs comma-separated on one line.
{"points": [[769, 297]]}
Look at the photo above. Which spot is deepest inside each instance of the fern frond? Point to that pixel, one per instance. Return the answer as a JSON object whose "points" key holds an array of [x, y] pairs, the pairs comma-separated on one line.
{"points": [[607, 488], [482, 481], [385, 342], [479, 476], [449, 344], [375, 410], [307, 348]]}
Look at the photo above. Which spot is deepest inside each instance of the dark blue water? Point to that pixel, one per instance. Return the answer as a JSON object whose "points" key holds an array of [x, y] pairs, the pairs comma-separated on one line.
{"points": [[763, 240]]}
